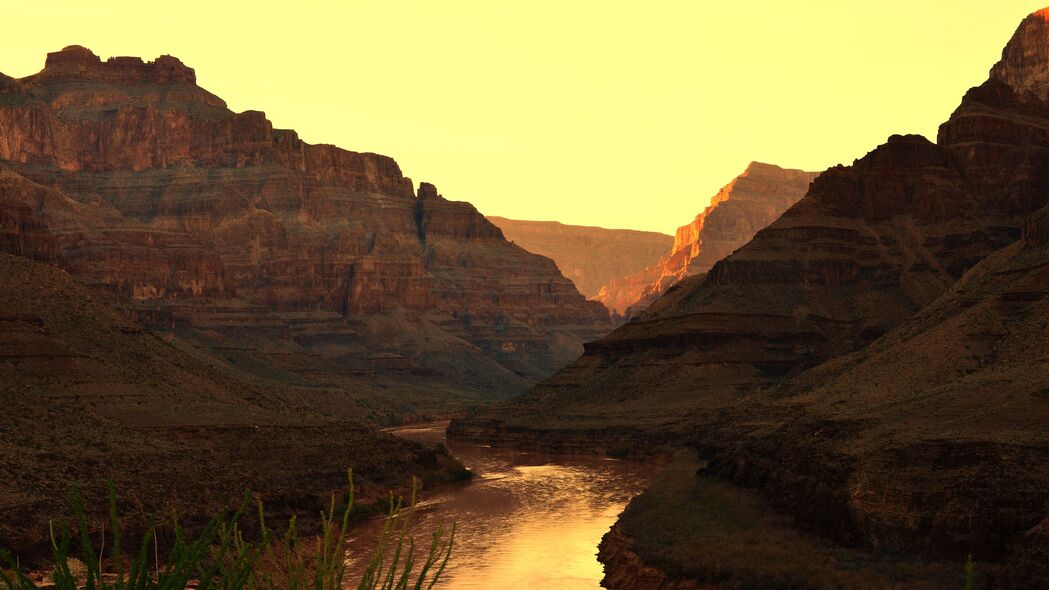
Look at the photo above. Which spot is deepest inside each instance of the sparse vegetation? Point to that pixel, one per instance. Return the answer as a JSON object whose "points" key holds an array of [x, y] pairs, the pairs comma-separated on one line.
{"points": [[970, 574], [221, 556]]}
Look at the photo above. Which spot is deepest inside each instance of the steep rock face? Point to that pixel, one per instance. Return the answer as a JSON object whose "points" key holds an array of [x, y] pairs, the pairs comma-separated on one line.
{"points": [[866, 248], [741, 208], [930, 441], [874, 361], [137, 181], [589, 256], [1025, 61]]}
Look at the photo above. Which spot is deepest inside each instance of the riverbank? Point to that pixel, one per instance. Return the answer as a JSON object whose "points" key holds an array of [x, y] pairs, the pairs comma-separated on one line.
{"points": [[697, 528], [691, 532], [526, 519]]}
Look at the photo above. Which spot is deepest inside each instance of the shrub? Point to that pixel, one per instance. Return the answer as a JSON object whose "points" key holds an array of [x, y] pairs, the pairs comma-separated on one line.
{"points": [[221, 558]]}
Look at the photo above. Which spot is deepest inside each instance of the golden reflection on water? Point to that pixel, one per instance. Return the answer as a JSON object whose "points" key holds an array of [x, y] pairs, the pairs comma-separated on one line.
{"points": [[525, 521]]}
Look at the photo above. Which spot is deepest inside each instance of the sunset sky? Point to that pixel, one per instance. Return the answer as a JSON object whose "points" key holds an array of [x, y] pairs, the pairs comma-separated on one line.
{"points": [[603, 112]]}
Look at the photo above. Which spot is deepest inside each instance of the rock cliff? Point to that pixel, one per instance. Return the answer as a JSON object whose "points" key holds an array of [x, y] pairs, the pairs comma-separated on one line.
{"points": [[310, 259], [873, 361], [589, 256], [741, 208]]}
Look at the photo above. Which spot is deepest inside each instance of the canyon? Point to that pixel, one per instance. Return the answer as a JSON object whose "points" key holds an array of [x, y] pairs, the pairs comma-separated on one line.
{"points": [[843, 376], [870, 367], [589, 256], [319, 266], [190, 295], [739, 210]]}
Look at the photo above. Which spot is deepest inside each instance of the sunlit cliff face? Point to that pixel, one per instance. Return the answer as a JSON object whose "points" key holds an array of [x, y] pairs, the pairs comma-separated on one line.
{"points": [[1025, 60]]}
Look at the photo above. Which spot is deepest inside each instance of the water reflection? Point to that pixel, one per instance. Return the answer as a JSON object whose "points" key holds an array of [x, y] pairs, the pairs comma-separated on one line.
{"points": [[526, 521]]}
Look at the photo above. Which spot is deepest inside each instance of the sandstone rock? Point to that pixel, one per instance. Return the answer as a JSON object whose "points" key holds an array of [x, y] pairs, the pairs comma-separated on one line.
{"points": [[589, 256], [874, 361], [741, 208], [138, 182], [1025, 61]]}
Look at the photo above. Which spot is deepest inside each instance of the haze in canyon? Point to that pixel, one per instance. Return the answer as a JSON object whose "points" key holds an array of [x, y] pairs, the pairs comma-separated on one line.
{"points": [[828, 376]]}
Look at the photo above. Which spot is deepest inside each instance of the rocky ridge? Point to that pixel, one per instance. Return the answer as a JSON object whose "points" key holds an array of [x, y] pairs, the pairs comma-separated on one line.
{"points": [[736, 213], [872, 362], [589, 256], [317, 264]]}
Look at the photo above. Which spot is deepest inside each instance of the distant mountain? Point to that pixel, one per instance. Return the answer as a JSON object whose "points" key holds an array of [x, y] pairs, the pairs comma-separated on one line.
{"points": [[873, 364], [741, 208], [312, 263], [589, 256]]}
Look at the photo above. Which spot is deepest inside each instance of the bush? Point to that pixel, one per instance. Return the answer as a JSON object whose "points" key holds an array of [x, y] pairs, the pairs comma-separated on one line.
{"points": [[221, 558]]}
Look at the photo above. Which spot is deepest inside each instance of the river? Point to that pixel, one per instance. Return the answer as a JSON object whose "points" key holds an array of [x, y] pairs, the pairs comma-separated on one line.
{"points": [[526, 520]]}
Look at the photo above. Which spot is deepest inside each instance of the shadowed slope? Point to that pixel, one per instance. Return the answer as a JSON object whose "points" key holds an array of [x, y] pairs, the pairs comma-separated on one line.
{"points": [[873, 363], [89, 395]]}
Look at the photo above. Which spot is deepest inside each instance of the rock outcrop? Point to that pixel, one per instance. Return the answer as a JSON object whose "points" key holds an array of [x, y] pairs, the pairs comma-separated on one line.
{"points": [[873, 362], [741, 208], [1025, 61], [589, 256], [309, 258]]}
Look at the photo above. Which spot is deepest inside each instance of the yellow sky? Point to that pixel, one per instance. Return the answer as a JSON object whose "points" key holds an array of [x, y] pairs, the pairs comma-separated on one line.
{"points": [[597, 112]]}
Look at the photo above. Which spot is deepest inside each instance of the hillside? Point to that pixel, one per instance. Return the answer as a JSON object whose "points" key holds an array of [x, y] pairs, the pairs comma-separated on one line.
{"points": [[872, 363], [91, 396]]}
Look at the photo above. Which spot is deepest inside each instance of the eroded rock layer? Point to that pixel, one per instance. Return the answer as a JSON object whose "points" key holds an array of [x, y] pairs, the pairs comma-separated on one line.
{"points": [[741, 208], [136, 181], [874, 361], [90, 396], [589, 256]]}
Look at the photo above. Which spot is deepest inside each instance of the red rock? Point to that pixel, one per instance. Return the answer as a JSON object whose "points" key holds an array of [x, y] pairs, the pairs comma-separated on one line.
{"points": [[1025, 61], [874, 361], [135, 180], [589, 256], [741, 208]]}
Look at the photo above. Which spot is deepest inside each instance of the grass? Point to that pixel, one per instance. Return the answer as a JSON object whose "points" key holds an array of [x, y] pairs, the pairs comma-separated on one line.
{"points": [[221, 557]]}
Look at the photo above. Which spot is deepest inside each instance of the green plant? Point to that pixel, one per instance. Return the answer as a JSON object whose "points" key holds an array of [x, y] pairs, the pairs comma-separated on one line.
{"points": [[970, 573], [222, 558]]}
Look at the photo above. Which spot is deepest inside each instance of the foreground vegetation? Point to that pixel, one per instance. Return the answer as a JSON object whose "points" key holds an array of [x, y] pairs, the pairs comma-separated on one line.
{"points": [[221, 557]]}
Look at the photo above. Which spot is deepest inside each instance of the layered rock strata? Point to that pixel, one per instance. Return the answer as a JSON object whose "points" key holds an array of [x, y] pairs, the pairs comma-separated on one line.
{"points": [[589, 256], [736, 213], [90, 396], [138, 182], [872, 362]]}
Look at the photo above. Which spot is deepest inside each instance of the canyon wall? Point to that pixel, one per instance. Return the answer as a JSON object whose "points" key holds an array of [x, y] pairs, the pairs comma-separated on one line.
{"points": [[872, 362], [589, 256], [736, 213], [318, 263]]}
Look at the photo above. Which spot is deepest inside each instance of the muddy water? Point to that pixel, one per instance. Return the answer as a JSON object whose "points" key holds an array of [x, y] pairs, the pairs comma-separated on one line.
{"points": [[526, 521]]}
